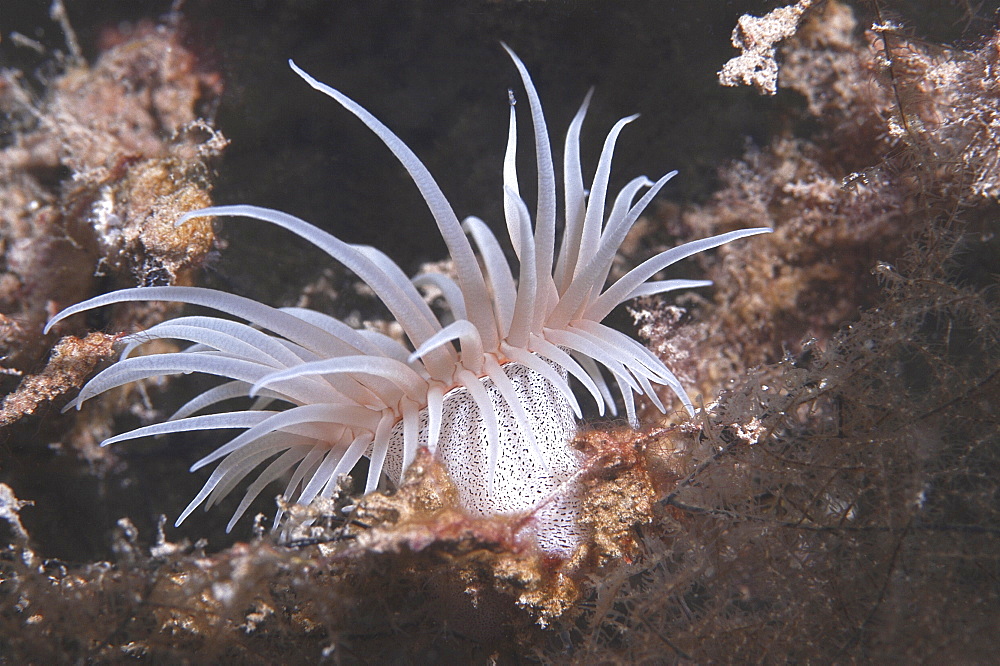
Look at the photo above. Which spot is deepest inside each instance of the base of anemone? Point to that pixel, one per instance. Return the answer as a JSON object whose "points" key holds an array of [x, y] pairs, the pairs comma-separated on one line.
{"points": [[537, 482]]}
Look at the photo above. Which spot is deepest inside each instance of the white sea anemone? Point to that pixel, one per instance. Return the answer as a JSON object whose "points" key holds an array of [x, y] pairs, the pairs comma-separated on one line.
{"points": [[488, 393]]}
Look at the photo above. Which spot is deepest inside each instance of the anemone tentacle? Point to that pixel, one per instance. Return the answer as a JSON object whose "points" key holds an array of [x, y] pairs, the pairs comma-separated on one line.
{"points": [[484, 387]]}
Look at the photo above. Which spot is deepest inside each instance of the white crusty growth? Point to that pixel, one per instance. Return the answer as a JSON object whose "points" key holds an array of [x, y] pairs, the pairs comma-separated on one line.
{"points": [[488, 393]]}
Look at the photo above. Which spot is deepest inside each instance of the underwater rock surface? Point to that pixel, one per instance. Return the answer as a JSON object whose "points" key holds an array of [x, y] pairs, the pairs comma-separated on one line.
{"points": [[835, 499]]}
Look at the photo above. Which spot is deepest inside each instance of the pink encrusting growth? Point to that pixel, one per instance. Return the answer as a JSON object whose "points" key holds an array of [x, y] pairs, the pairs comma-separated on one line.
{"points": [[488, 393]]}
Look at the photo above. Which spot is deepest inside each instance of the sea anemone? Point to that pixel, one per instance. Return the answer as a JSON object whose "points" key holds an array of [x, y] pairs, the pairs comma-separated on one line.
{"points": [[484, 387]]}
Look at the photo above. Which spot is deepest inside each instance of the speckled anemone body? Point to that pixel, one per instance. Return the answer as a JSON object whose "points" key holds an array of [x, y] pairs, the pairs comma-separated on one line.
{"points": [[487, 392]]}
